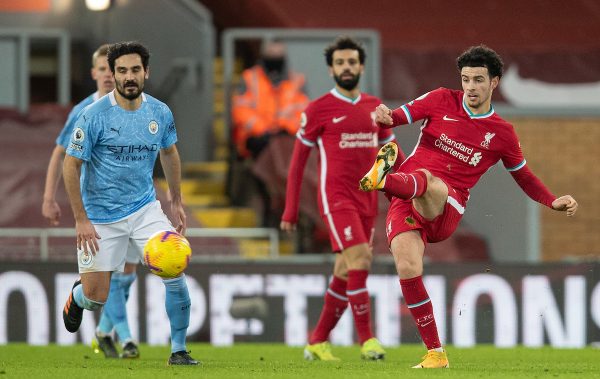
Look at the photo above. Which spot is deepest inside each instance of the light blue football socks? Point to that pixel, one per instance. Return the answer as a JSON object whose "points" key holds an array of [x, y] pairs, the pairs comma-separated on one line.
{"points": [[177, 304], [83, 301], [114, 314]]}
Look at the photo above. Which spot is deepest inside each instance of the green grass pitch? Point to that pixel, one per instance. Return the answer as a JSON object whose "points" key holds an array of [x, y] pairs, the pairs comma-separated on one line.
{"points": [[279, 361]]}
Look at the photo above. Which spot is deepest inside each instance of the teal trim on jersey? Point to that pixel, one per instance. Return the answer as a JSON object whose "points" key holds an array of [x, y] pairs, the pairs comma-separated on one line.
{"points": [[305, 141], [389, 139], [407, 113], [337, 94], [473, 115], [517, 167]]}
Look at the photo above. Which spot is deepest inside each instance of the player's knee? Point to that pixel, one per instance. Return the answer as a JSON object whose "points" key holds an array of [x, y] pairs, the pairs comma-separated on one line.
{"points": [[408, 266], [95, 294], [362, 263], [341, 272], [359, 259]]}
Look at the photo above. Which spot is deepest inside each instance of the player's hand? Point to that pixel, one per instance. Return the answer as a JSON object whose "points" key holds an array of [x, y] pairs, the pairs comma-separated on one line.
{"points": [[287, 226], [87, 237], [179, 215], [51, 211], [383, 115], [565, 204]]}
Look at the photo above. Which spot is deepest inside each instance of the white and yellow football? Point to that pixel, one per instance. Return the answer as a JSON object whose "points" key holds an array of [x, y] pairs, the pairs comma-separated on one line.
{"points": [[167, 254]]}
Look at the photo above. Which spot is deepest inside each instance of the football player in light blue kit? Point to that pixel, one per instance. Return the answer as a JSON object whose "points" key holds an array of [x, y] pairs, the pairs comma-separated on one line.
{"points": [[108, 176], [114, 314]]}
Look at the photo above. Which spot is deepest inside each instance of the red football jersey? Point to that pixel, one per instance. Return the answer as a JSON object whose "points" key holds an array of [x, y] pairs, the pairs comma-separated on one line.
{"points": [[455, 144], [348, 139]]}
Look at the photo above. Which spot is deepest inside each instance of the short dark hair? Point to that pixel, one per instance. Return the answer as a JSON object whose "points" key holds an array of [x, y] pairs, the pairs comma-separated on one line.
{"points": [[343, 43], [481, 56], [123, 48]]}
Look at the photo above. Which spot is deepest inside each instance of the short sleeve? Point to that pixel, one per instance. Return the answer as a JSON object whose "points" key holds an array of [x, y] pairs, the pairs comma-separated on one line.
{"points": [[170, 134], [84, 136]]}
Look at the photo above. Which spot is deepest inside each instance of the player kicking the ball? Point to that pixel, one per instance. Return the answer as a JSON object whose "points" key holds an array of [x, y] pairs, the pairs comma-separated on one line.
{"points": [[461, 138]]}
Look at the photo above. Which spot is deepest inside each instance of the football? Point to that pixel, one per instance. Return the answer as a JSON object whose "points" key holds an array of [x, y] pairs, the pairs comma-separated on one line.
{"points": [[167, 254]]}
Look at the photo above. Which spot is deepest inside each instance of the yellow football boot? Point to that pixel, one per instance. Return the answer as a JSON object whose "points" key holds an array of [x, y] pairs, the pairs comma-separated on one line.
{"points": [[375, 178], [319, 352], [372, 350], [434, 359]]}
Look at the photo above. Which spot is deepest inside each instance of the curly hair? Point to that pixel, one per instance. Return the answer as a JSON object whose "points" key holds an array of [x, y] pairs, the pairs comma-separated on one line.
{"points": [[481, 56], [343, 43], [123, 48]]}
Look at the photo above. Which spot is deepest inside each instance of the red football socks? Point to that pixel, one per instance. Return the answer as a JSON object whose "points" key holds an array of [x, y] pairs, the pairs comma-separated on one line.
{"points": [[335, 304], [358, 296], [406, 186], [420, 307]]}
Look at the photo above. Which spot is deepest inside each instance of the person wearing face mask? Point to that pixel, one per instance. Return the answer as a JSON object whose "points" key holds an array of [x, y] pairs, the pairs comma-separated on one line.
{"points": [[269, 101], [265, 112]]}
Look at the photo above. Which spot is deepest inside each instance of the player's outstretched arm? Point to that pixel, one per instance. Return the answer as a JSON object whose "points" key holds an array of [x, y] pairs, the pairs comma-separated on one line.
{"points": [[565, 203]]}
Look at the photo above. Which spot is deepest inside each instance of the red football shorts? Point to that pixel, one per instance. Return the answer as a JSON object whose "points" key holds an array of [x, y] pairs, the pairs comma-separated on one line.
{"points": [[402, 217], [348, 228]]}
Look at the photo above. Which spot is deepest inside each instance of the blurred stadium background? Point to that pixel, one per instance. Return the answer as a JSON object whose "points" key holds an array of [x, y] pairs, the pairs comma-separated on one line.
{"points": [[514, 273]]}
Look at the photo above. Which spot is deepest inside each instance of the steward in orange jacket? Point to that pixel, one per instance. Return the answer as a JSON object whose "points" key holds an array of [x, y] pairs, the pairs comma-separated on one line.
{"points": [[268, 102]]}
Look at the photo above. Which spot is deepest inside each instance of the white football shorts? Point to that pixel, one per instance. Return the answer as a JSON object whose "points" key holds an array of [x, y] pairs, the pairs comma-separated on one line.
{"points": [[124, 240]]}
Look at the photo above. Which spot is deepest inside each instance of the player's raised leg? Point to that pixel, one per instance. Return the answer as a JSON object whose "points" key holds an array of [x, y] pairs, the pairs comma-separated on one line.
{"points": [[96, 285]]}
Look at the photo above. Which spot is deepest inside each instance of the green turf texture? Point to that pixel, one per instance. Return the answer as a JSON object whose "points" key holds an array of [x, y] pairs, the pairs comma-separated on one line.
{"points": [[279, 361]]}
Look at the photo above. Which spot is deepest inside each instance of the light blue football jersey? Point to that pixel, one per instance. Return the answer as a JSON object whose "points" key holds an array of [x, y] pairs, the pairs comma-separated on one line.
{"points": [[64, 137], [119, 149]]}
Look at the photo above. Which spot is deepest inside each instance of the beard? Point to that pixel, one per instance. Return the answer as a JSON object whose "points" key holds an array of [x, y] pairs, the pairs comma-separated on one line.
{"points": [[122, 89], [347, 84]]}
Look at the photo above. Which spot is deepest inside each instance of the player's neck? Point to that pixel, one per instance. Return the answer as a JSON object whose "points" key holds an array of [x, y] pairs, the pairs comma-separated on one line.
{"points": [[481, 109], [351, 94], [128, 105]]}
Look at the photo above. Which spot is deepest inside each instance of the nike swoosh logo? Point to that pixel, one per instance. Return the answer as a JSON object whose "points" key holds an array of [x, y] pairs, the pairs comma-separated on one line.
{"points": [[446, 118], [338, 119], [427, 323]]}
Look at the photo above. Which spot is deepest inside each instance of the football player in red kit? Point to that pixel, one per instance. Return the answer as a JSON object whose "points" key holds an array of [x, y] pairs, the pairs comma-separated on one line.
{"points": [[341, 125], [461, 138]]}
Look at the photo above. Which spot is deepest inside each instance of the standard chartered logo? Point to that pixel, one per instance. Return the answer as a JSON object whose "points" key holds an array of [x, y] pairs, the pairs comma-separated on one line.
{"points": [[475, 160], [355, 140], [458, 150]]}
